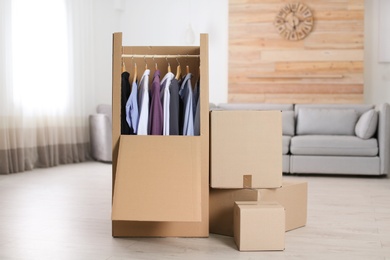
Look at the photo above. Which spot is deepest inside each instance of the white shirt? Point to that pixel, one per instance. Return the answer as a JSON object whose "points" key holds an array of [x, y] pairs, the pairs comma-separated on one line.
{"points": [[143, 104], [165, 100]]}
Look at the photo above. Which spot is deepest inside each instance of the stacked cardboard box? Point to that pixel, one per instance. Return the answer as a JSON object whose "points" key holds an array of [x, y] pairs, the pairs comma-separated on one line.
{"points": [[246, 167], [259, 226]]}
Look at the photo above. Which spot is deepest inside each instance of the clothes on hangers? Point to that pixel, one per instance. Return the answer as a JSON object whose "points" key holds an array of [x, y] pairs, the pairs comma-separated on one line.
{"points": [[125, 93], [187, 97], [166, 100], [169, 107], [156, 113], [143, 104], [174, 107], [132, 109]]}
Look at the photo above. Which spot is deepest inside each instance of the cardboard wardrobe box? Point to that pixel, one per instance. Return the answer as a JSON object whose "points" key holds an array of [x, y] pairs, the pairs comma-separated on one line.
{"points": [[259, 226], [160, 183], [245, 149], [292, 196]]}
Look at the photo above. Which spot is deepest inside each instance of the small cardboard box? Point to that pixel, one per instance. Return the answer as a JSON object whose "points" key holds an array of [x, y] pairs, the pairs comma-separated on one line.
{"points": [[259, 226], [221, 208], [246, 149], [292, 196]]}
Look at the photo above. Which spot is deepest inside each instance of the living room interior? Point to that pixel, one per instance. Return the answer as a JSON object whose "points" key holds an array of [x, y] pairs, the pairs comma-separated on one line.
{"points": [[59, 206]]}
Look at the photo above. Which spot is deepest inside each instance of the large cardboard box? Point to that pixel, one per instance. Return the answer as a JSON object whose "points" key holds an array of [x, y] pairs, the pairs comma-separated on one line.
{"points": [[160, 183], [292, 196], [246, 149], [259, 226]]}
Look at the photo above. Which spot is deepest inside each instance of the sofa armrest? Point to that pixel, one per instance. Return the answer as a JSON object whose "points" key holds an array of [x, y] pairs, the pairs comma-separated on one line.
{"points": [[101, 137], [384, 137]]}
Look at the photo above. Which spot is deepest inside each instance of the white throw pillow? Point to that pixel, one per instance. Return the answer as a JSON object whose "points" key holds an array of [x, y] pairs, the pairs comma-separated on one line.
{"points": [[367, 124]]}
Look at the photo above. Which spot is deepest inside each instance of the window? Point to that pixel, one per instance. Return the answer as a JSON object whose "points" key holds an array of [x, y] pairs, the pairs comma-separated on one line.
{"points": [[40, 55]]}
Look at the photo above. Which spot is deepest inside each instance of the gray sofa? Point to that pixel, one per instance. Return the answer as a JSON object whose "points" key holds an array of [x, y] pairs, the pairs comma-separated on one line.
{"points": [[100, 131], [332, 138]]}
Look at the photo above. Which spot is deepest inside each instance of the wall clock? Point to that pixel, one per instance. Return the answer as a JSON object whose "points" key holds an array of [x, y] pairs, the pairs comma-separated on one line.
{"points": [[294, 21]]}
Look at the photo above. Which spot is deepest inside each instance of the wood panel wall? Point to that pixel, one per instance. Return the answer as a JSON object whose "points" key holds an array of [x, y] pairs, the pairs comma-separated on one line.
{"points": [[325, 67]]}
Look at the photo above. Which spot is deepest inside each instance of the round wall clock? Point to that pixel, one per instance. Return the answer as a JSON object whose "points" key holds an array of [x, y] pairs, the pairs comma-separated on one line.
{"points": [[294, 21]]}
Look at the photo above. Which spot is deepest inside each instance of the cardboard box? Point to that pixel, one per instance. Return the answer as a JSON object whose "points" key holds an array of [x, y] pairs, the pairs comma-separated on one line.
{"points": [[160, 183], [155, 187], [221, 208], [292, 196], [246, 149], [259, 226]]}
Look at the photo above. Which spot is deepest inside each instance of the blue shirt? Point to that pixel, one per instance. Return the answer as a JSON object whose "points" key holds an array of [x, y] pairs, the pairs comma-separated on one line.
{"points": [[132, 108], [187, 97]]}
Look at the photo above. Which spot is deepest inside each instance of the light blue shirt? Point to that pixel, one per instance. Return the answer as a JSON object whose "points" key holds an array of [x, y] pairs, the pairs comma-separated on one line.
{"points": [[132, 108], [187, 97]]}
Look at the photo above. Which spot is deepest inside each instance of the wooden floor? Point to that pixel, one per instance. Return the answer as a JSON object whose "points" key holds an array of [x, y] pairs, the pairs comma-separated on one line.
{"points": [[64, 213]]}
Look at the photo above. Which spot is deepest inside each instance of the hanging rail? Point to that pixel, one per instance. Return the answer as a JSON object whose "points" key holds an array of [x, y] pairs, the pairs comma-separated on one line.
{"points": [[159, 56]]}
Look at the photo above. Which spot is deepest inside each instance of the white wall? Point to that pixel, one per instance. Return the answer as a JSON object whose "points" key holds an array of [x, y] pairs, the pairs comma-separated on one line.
{"points": [[162, 23], [376, 74], [167, 21], [106, 21]]}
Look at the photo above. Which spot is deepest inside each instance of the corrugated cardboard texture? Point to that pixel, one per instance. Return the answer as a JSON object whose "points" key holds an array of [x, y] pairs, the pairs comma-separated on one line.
{"points": [[246, 143], [162, 182], [259, 226], [221, 208], [199, 149], [293, 197]]}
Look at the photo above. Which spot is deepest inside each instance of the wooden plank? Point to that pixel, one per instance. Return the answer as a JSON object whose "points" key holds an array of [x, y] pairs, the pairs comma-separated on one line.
{"points": [[297, 76], [331, 40], [297, 98], [280, 88], [340, 15], [312, 55], [339, 27], [245, 79], [330, 67]]}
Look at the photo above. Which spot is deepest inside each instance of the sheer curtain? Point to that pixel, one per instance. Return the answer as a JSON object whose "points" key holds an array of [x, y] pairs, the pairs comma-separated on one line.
{"points": [[46, 83]]}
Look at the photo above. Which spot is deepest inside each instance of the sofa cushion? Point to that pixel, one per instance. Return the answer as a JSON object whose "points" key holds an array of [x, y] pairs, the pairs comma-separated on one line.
{"points": [[367, 124], [324, 121], [359, 108], [337, 145], [286, 144], [288, 123]]}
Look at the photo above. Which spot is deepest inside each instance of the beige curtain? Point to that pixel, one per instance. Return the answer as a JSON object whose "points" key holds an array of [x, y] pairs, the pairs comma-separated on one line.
{"points": [[46, 83]]}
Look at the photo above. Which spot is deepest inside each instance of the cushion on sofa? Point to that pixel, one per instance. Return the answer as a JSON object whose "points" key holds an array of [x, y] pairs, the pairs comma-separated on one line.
{"points": [[286, 144], [288, 123], [367, 124], [359, 108], [323, 121], [337, 145]]}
